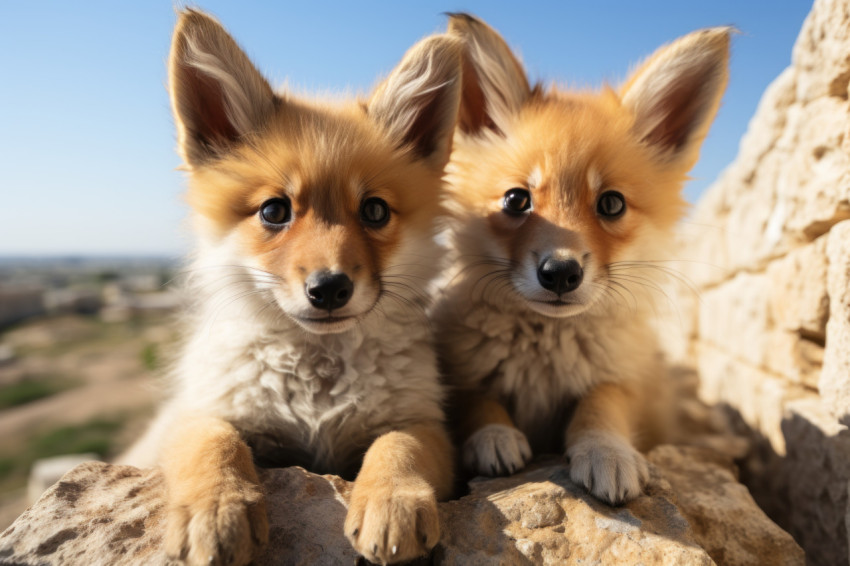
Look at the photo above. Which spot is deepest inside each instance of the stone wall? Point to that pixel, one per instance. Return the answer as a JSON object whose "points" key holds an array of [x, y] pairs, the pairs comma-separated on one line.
{"points": [[768, 250]]}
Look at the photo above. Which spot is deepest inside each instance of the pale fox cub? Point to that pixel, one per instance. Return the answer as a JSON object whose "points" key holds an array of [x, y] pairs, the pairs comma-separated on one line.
{"points": [[307, 343], [561, 203]]}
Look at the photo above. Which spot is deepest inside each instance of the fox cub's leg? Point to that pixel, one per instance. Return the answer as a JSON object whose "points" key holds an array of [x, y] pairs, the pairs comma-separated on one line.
{"points": [[216, 513], [492, 445], [393, 512], [599, 447]]}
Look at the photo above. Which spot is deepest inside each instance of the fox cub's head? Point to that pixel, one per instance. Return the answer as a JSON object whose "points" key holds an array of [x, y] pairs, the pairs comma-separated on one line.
{"points": [[318, 204], [555, 191]]}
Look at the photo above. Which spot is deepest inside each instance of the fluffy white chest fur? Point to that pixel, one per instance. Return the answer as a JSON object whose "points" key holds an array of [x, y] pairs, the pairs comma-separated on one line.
{"points": [[296, 397]]}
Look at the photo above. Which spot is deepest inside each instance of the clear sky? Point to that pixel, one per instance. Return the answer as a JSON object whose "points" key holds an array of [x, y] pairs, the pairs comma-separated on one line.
{"points": [[87, 160]]}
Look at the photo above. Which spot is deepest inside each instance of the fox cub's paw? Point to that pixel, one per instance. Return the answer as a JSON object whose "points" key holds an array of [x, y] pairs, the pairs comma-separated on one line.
{"points": [[496, 450], [393, 522], [607, 466], [225, 527]]}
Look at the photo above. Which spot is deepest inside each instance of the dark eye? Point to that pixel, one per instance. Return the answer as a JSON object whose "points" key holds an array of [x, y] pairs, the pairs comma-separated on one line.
{"points": [[276, 213], [611, 205], [517, 201], [375, 212]]}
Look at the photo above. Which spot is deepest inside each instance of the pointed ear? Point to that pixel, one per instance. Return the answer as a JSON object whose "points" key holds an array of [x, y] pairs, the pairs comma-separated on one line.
{"points": [[216, 93], [494, 82], [674, 96], [417, 103]]}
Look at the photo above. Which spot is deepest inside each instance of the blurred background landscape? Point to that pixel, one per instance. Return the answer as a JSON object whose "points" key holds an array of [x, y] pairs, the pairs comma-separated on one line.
{"points": [[90, 200], [81, 343]]}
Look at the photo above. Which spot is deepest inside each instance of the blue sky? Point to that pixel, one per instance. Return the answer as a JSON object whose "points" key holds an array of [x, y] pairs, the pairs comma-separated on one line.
{"points": [[87, 160]]}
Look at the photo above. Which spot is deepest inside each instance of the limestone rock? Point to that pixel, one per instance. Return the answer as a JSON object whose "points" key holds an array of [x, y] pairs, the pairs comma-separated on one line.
{"points": [[835, 379], [759, 397], [797, 296], [48, 471], [768, 249], [731, 528], [739, 304], [105, 514], [810, 479], [796, 358]]}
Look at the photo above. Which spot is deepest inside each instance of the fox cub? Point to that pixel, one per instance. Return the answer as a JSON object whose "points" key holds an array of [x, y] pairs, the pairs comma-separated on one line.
{"points": [[562, 203], [307, 343]]}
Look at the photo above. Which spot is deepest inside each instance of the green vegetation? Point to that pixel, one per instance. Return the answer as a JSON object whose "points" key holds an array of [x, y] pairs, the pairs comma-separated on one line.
{"points": [[32, 388], [7, 465], [150, 357], [96, 435]]}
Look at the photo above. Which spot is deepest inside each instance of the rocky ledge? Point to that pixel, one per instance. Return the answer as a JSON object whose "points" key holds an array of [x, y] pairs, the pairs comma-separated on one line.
{"points": [[694, 512]]}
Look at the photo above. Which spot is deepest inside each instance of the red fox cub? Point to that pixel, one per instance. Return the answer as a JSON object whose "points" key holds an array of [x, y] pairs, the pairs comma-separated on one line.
{"points": [[561, 203], [307, 341]]}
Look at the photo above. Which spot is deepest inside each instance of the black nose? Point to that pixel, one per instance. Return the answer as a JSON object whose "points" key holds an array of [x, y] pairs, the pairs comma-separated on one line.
{"points": [[327, 290], [560, 276]]}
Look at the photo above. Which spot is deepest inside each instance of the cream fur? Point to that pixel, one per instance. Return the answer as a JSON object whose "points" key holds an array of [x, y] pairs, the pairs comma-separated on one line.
{"points": [[575, 368], [307, 340], [322, 398], [537, 365]]}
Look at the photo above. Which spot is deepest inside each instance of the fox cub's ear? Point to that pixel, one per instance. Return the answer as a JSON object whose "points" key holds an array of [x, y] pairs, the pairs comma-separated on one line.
{"points": [[494, 82], [216, 93], [418, 102], [675, 94]]}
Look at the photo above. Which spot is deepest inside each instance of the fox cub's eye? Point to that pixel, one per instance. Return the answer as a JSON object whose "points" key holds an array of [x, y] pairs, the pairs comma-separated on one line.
{"points": [[611, 205], [517, 201], [276, 212], [375, 212]]}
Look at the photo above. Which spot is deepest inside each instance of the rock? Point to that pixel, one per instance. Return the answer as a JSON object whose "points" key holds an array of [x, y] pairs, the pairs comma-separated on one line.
{"points": [[724, 519], [835, 379], [105, 514], [740, 304], [795, 358], [96, 514], [768, 249], [798, 298], [758, 397], [47, 471], [805, 490], [543, 518]]}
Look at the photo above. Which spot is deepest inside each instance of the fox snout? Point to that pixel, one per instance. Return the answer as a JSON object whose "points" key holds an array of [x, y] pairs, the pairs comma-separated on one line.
{"points": [[560, 275], [328, 290]]}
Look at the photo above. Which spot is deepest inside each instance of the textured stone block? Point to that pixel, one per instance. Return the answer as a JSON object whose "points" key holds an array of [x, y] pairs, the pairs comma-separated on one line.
{"points": [[794, 358], [734, 317], [816, 173], [835, 378], [758, 396], [797, 294], [816, 477], [820, 53]]}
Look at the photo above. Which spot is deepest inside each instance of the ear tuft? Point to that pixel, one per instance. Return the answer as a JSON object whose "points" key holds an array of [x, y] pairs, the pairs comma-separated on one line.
{"points": [[217, 95], [417, 103], [494, 81], [675, 95]]}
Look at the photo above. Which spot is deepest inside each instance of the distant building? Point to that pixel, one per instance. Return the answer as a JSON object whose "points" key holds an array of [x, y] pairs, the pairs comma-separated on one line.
{"points": [[19, 302], [78, 301]]}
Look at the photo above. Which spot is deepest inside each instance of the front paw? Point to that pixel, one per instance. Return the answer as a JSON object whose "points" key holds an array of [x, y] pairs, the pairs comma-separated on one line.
{"points": [[393, 521], [496, 450], [608, 467], [224, 528]]}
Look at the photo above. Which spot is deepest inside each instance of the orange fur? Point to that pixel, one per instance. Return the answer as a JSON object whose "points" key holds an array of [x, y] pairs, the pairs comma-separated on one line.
{"points": [[402, 472], [245, 146], [214, 496], [566, 150]]}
